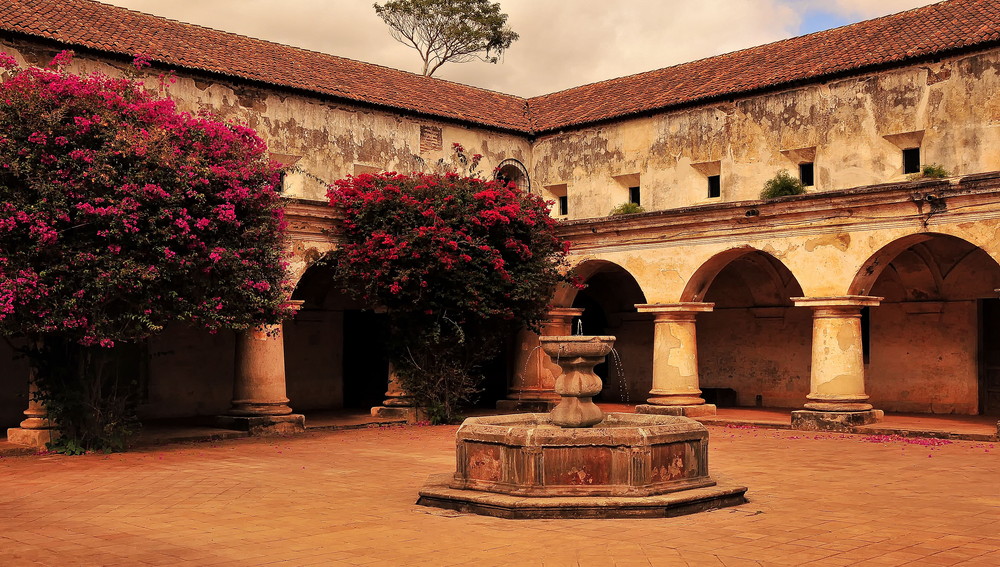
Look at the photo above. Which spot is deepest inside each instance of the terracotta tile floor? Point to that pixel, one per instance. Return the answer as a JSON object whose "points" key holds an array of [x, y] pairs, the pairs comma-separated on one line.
{"points": [[347, 498]]}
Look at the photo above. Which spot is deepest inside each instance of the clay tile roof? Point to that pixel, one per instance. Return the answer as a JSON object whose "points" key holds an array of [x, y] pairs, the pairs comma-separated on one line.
{"points": [[919, 33], [93, 25], [896, 39]]}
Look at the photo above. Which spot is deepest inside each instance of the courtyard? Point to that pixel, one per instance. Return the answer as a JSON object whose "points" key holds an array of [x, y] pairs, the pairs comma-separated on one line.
{"points": [[346, 497]]}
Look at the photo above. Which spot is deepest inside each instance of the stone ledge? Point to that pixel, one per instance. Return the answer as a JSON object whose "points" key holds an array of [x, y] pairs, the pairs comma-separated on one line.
{"points": [[264, 424], [843, 421], [409, 413], [526, 406], [437, 493], [700, 410]]}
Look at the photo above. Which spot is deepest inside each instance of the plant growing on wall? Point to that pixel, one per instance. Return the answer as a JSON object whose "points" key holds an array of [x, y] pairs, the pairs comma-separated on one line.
{"points": [[629, 208], [932, 171], [781, 185], [457, 263], [119, 215]]}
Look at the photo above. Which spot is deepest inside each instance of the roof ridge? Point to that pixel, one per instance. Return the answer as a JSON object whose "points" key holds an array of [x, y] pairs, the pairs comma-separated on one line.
{"points": [[745, 49], [295, 47]]}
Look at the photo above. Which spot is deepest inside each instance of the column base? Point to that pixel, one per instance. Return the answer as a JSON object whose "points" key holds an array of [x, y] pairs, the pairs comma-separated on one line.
{"points": [[810, 420], [411, 414], [263, 425], [527, 406], [37, 438], [698, 410]]}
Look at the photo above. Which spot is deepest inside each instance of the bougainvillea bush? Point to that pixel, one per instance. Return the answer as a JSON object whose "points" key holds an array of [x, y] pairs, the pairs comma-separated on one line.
{"points": [[456, 262], [119, 214]]}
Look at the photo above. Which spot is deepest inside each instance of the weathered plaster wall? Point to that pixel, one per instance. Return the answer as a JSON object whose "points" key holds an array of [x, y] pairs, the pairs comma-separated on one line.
{"points": [[924, 357], [949, 109], [331, 139], [190, 373], [757, 353]]}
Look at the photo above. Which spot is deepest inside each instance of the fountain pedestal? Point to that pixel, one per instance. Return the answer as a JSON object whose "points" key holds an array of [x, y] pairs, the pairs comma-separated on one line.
{"points": [[577, 462]]}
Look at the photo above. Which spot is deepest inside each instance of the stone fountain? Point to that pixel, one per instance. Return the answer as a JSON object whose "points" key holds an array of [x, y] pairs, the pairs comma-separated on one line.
{"points": [[576, 462]]}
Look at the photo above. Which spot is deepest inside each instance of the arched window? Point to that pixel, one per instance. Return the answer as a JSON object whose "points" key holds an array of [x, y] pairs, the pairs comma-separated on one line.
{"points": [[512, 170]]}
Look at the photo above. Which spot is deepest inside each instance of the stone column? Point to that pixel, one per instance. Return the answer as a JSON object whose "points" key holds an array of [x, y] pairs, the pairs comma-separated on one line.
{"points": [[398, 404], [533, 386], [837, 383], [259, 401], [36, 430], [676, 389]]}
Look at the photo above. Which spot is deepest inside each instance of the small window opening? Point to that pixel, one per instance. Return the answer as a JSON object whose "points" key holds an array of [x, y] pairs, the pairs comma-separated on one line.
{"points": [[279, 186], [634, 196], [806, 174], [564, 205], [714, 186], [911, 160], [866, 334]]}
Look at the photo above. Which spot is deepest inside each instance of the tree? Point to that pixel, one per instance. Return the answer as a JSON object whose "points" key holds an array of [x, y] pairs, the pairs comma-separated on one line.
{"points": [[119, 215], [448, 30], [456, 262]]}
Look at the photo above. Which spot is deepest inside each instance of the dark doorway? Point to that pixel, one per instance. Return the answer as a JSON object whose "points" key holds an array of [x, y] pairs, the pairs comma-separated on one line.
{"points": [[989, 370], [366, 363]]}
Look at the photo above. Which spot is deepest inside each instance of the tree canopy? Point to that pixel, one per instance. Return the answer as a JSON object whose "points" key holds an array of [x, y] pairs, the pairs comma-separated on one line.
{"points": [[457, 263], [448, 30], [118, 215]]}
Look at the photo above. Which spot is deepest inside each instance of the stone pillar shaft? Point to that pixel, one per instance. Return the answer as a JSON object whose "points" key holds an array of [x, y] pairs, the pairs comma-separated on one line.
{"points": [[259, 383], [675, 353], [837, 381], [395, 395]]}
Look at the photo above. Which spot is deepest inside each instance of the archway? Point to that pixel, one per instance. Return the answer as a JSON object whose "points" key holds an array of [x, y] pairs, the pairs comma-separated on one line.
{"points": [[334, 350], [513, 171], [754, 348], [608, 301], [933, 344]]}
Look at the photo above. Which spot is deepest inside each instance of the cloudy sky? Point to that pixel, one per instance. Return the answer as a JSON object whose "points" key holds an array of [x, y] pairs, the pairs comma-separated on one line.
{"points": [[564, 43]]}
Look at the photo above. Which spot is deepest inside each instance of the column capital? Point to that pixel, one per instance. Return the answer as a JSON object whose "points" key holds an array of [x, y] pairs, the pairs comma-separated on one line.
{"points": [[295, 305], [682, 307], [842, 301]]}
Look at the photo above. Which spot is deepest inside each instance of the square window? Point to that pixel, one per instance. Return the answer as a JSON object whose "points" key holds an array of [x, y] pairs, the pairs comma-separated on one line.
{"points": [[564, 205], [714, 186], [806, 174], [911, 160], [634, 195]]}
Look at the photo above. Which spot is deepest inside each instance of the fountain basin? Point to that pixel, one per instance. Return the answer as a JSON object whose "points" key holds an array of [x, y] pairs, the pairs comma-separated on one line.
{"points": [[576, 462], [629, 465], [624, 455]]}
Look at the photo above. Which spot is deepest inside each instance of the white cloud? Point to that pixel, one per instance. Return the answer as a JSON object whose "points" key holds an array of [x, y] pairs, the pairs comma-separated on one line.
{"points": [[564, 43], [865, 9]]}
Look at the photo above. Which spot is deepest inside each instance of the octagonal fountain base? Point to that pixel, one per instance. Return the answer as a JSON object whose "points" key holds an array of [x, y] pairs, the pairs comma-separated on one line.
{"points": [[628, 465]]}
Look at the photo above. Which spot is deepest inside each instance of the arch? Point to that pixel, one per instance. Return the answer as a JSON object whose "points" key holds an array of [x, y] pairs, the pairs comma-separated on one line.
{"points": [[334, 349], [754, 346], [608, 301], [923, 247], [927, 336], [770, 267], [513, 171], [565, 295]]}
